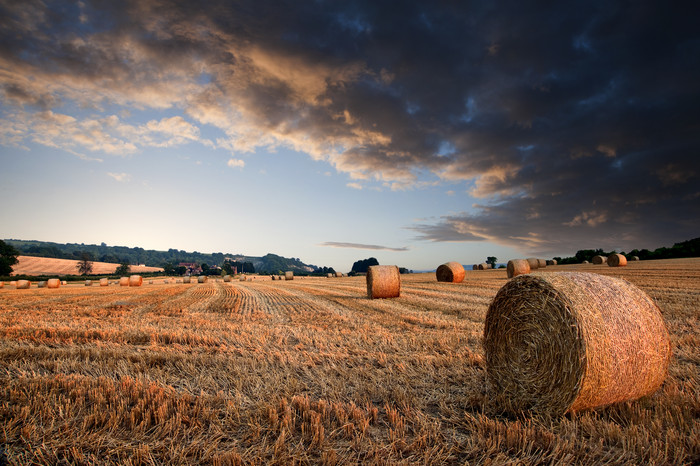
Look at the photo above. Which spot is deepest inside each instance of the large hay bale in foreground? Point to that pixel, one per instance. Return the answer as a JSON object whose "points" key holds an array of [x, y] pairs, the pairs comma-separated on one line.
{"points": [[383, 281], [22, 284], [534, 263], [104, 281], [124, 281], [517, 267], [135, 280], [617, 260], [451, 272], [597, 260], [53, 283], [568, 341], [289, 275]]}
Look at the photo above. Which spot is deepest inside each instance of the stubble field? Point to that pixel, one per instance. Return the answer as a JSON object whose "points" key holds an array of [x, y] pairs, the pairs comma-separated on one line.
{"points": [[311, 371]]}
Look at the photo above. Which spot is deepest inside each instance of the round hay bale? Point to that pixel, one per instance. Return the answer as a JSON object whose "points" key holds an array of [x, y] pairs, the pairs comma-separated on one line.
{"points": [[634, 258], [483, 266], [150, 282], [330, 275], [542, 263], [53, 283], [88, 282], [186, 280], [534, 263], [598, 260], [64, 282], [551, 262], [383, 281], [13, 283], [289, 275], [41, 284], [135, 280], [242, 278], [104, 281], [617, 260], [517, 267], [227, 278], [585, 262], [569, 341], [2, 284], [22, 284], [339, 274], [202, 279], [451, 272], [124, 281]]}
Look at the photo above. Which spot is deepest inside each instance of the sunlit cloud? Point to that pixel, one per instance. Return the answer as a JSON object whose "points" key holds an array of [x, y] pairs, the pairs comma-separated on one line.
{"points": [[236, 163], [334, 244], [120, 177]]}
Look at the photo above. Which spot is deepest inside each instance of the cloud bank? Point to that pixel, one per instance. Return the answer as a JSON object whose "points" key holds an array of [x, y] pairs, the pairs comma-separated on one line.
{"points": [[573, 124], [334, 244]]}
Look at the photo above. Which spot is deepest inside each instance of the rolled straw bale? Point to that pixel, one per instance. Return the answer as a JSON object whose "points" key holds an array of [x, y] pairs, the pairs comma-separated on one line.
{"points": [[617, 260], [202, 279], [22, 284], [53, 283], [551, 262], [135, 280], [483, 266], [186, 280], [339, 274], [475, 267], [64, 282], [104, 281], [88, 282], [534, 263], [13, 283], [597, 260], [383, 281], [452, 272], [585, 262], [569, 341], [124, 281], [242, 278], [634, 258], [41, 284], [542, 263], [2, 284], [517, 267], [330, 275], [289, 275], [227, 278]]}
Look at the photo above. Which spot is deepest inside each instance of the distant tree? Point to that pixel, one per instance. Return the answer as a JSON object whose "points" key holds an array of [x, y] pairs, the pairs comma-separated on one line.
{"points": [[491, 260], [227, 268], [180, 270], [205, 268], [168, 268], [361, 266], [84, 263], [8, 258], [123, 269]]}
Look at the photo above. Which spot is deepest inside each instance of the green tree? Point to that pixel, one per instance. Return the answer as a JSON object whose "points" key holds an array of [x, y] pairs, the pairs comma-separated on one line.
{"points": [[8, 258], [491, 260], [123, 269], [84, 263]]}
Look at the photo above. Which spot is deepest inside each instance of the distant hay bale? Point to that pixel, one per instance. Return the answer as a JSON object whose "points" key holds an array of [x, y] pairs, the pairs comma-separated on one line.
{"points": [[202, 279], [383, 281], [104, 281], [186, 280], [569, 341], [22, 284], [41, 284], [597, 260], [339, 274], [124, 281], [517, 267], [475, 267], [150, 282], [13, 283], [451, 272], [289, 275], [635, 258], [2, 284], [88, 282], [617, 260], [227, 278], [242, 278], [551, 262], [585, 262], [135, 280], [483, 266], [542, 263], [53, 283], [534, 263], [330, 275]]}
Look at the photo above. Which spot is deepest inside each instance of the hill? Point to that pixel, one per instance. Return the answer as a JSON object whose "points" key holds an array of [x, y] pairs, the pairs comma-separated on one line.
{"points": [[270, 263], [29, 265]]}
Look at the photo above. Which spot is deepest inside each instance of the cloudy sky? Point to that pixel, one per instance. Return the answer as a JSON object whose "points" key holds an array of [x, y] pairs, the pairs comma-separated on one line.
{"points": [[335, 131]]}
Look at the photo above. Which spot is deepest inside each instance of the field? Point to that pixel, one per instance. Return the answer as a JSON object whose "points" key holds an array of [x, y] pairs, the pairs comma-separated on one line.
{"points": [[311, 371], [30, 265]]}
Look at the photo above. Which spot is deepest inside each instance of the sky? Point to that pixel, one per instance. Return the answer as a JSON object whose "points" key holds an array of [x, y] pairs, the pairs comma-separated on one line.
{"points": [[417, 133]]}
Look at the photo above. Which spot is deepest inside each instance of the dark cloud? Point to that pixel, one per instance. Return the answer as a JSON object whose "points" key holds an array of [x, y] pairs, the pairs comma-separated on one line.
{"points": [[574, 124], [334, 244]]}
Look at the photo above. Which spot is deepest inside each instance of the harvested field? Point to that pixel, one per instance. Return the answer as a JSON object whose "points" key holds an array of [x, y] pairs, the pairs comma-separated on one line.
{"points": [[30, 265], [312, 371]]}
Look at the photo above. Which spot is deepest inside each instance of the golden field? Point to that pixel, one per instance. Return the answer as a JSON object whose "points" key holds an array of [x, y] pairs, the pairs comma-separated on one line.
{"points": [[311, 371], [30, 265]]}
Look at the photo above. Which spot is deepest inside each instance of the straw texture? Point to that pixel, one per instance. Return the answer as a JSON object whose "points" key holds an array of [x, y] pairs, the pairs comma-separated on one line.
{"points": [[124, 281], [564, 342], [289, 275], [617, 260], [542, 263], [383, 281], [135, 280], [22, 284], [452, 272], [517, 267], [104, 281], [53, 283]]}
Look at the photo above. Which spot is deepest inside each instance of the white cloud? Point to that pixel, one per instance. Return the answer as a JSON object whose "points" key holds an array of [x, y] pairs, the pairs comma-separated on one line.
{"points": [[120, 177], [236, 163]]}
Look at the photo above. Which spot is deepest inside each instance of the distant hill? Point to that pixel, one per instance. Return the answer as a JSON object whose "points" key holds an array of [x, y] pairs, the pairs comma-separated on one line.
{"points": [[31, 265], [270, 263]]}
